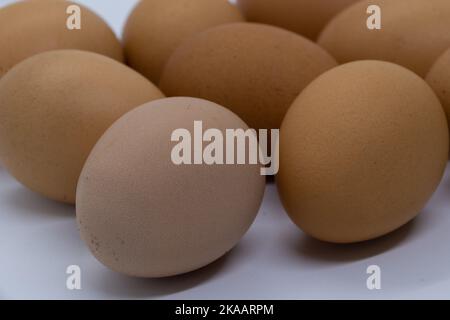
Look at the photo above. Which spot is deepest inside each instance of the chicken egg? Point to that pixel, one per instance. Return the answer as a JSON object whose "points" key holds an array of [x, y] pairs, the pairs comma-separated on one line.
{"points": [[255, 70], [144, 215], [414, 33], [362, 149], [156, 28], [439, 79], [34, 26], [305, 17], [53, 108]]}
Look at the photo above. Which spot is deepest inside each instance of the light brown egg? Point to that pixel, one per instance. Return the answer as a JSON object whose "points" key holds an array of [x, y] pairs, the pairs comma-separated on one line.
{"points": [[414, 33], [305, 17], [439, 79], [31, 27], [362, 150], [254, 70], [157, 27], [53, 108], [143, 215]]}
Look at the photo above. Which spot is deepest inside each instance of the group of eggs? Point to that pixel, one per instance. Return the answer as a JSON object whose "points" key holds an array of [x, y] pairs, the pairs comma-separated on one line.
{"points": [[363, 145]]}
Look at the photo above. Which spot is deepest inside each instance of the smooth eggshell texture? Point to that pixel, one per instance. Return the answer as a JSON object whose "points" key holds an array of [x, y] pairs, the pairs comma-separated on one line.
{"points": [[439, 79], [253, 69], [362, 150], [156, 28], [144, 216], [31, 27], [414, 33], [53, 108], [305, 17]]}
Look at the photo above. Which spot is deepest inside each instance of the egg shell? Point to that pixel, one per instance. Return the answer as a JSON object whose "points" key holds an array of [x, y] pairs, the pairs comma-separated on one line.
{"points": [[254, 70], [156, 28], [142, 215], [362, 150], [305, 17], [34, 26], [414, 33], [439, 79], [53, 108]]}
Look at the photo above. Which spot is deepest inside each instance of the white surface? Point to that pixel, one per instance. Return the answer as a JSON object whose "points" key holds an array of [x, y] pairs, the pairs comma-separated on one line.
{"points": [[39, 239]]}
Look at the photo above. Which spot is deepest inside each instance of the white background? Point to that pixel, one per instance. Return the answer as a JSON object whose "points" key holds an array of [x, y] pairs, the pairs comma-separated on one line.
{"points": [[39, 239]]}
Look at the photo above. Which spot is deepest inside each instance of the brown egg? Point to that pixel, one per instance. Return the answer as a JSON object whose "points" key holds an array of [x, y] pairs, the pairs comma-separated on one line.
{"points": [[143, 215], [35, 26], [305, 17], [253, 69], [414, 33], [439, 79], [157, 27], [362, 150], [53, 108]]}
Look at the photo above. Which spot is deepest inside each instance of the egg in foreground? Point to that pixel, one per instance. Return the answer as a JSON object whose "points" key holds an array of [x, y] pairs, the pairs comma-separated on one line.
{"points": [[362, 150], [143, 215]]}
